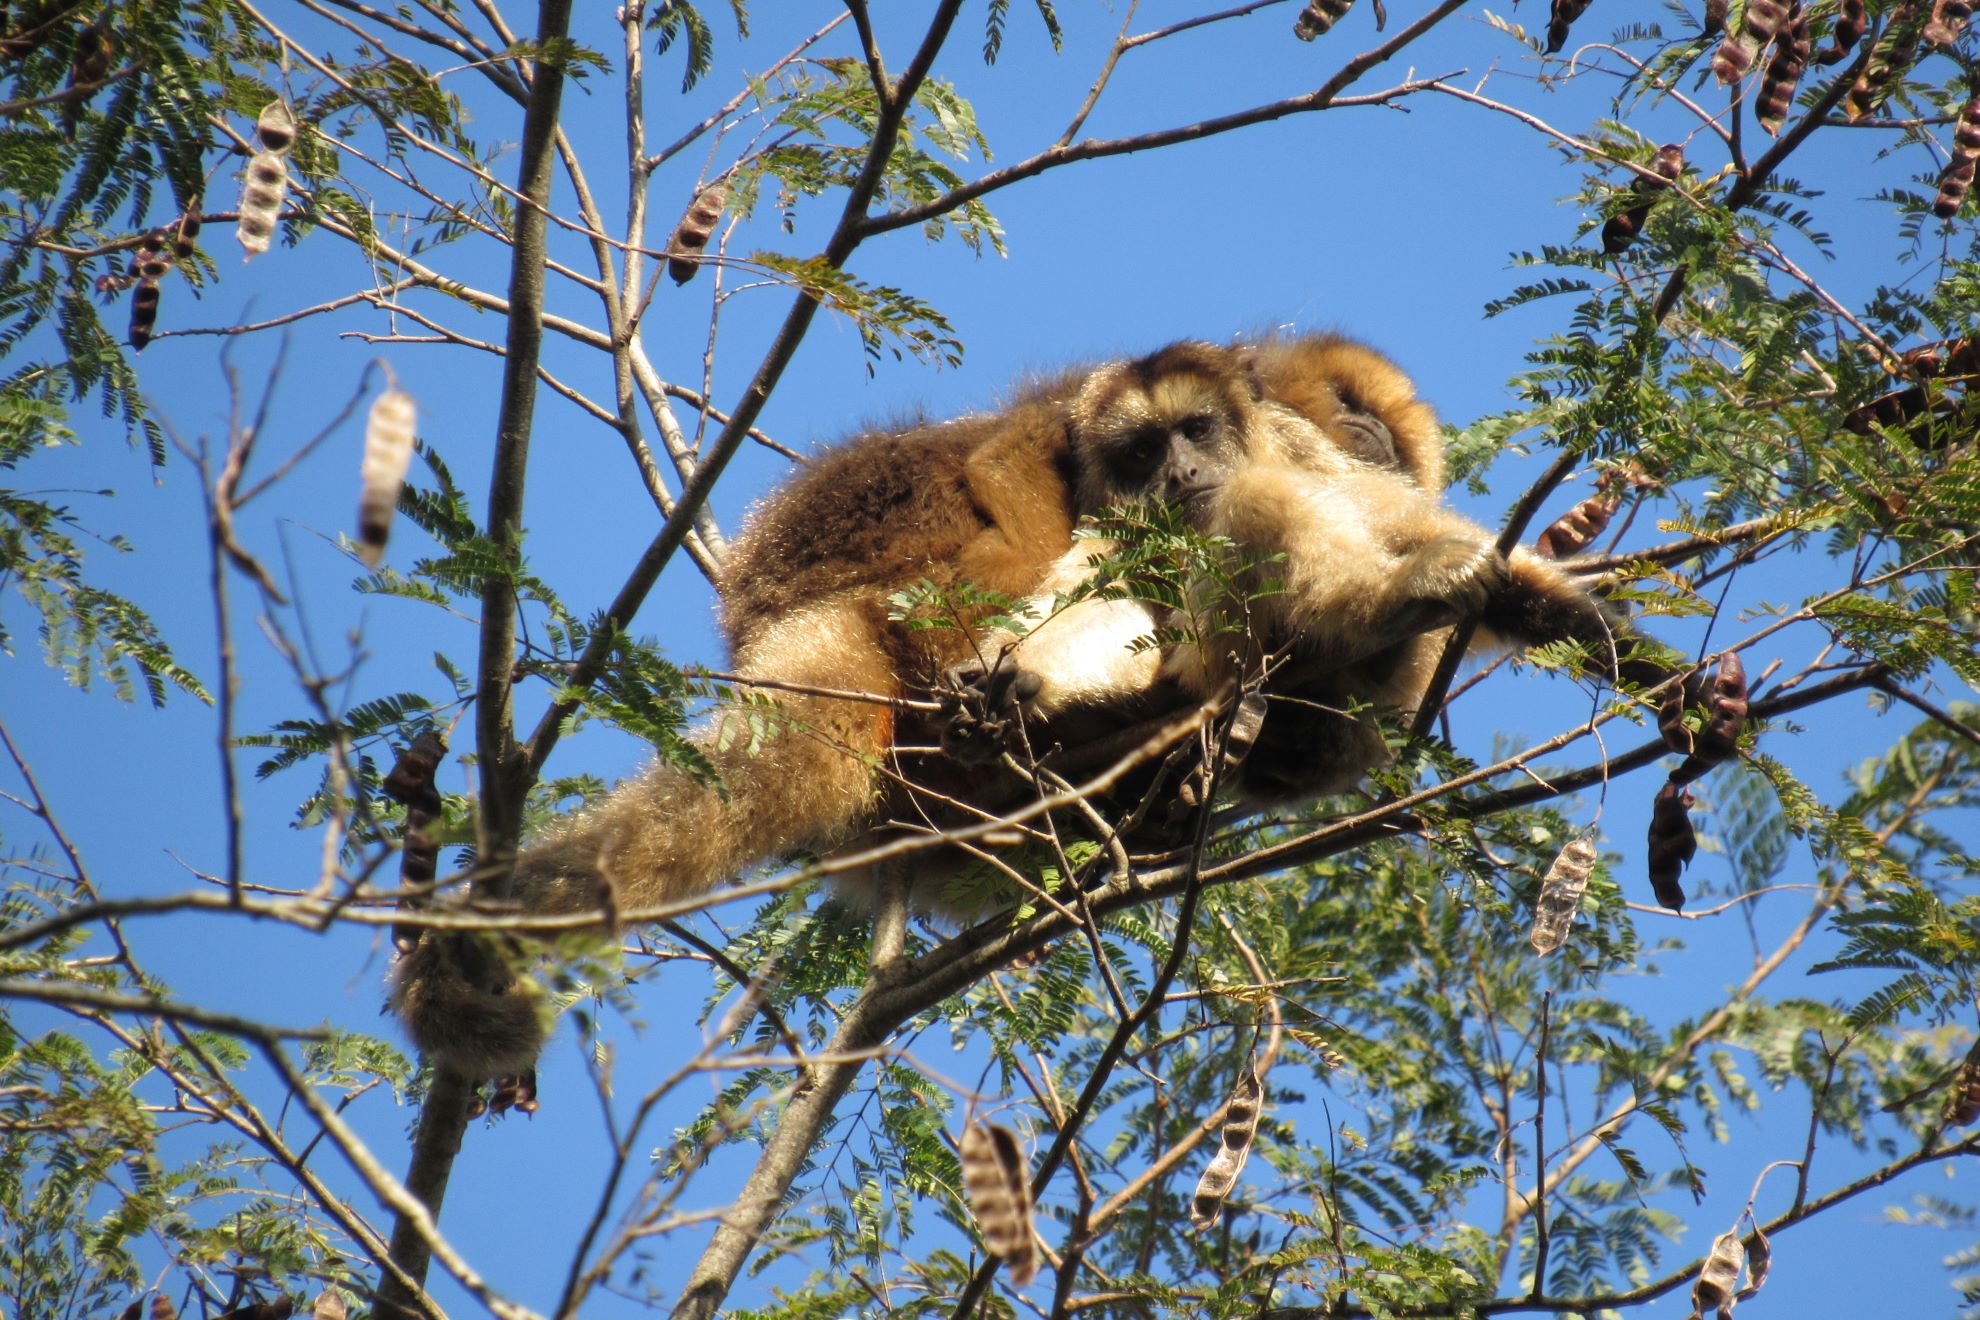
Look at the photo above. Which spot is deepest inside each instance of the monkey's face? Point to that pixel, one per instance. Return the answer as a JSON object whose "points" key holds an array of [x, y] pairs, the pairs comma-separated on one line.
{"points": [[1172, 426]]}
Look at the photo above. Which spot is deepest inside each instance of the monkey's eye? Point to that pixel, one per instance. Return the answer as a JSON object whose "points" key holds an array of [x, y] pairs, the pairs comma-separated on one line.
{"points": [[1195, 429], [1144, 448]]}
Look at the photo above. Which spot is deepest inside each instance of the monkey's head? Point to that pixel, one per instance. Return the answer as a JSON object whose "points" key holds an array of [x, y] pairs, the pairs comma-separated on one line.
{"points": [[1173, 425]]}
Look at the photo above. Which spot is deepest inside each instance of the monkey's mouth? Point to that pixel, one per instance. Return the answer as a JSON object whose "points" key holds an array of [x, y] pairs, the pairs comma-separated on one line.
{"points": [[1194, 501]]}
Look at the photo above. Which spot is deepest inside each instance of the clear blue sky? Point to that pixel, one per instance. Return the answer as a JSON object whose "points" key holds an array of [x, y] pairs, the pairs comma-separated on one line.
{"points": [[1393, 224]]}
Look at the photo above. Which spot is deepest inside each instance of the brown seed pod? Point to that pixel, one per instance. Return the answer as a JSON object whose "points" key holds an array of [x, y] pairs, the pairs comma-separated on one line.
{"points": [[1622, 228], [90, 65], [1725, 716], [1895, 54], [1963, 1093], [185, 236], [144, 313], [1718, 1277], [1852, 21], [1734, 57], [153, 261], [1241, 1113], [692, 234], [1764, 20], [1319, 16], [1560, 896], [276, 126], [1560, 19], [1948, 20], [1759, 1261], [1784, 70], [261, 201], [281, 1308], [329, 1306], [1673, 843], [999, 1192], [162, 1308], [1715, 17], [388, 447], [1953, 186], [1570, 533]]}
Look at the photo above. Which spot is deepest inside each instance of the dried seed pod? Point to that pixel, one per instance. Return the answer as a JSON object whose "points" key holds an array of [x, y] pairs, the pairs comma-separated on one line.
{"points": [[1560, 896], [1560, 19], [185, 237], [1319, 16], [1852, 21], [1622, 228], [1764, 21], [1673, 843], [153, 261], [1734, 57], [694, 231], [1759, 1260], [999, 1192], [1784, 72], [1240, 1126], [162, 1308], [1718, 1277], [1715, 17], [388, 447], [1570, 533], [281, 1308], [1725, 715], [261, 200], [1963, 1094], [1954, 184], [144, 313], [90, 65], [329, 1306], [1948, 20], [276, 127], [1895, 54]]}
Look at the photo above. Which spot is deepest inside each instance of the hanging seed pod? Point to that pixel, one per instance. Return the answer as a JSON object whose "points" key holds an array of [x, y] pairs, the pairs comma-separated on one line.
{"points": [[1673, 843], [162, 1308], [144, 313], [1948, 20], [1895, 55], [185, 237], [90, 65], [330, 1306], [152, 261], [1623, 228], [1963, 1094], [1784, 70], [276, 127], [1570, 533], [1560, 896], [261, 201], [1954, 184], [281, 1308], [692, 234], [1734, 57], [1764, 21], [1560, 19], [388, 447], [1852, 21], [999, 1193], [1718, 1277], [1319, 16], [133, 1311], [1240, 1126], [1715, 17], [1725, 715]]}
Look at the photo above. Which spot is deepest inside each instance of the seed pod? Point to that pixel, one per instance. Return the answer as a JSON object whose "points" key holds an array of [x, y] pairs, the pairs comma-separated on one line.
{"points": [[185, 238], [1764, 20], [516, 1091], [692, 234], [1622, 228], [1715, 17], [1895, 55], [1725, 715], [388, 447], [90, 65], [1718, 1277], [330, 1306], [261, 201], [1734, 57], [281, 1308], [1963, 1095], [1784, 72], [1560, 19], [162, 1308], [1947, 22], [1953, 186], [1673, 843], [1560, 896], [1759, 1261], [144, 313], [1570, 533], [152, 261], [276, 127], [1319, 16], [1852, 21], [1240, 1126], [999, 1193]]}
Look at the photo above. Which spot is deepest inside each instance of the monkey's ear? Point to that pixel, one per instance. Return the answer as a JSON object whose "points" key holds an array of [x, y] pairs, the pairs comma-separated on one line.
{"points": [[1254, 386]]}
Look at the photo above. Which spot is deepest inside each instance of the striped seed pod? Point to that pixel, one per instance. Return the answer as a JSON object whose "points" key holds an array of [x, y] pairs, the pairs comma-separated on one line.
{"points": [[1560, 896], [1240, 1126], [1963, 1094], [999, 1192], [388, 447], [1958, 175], [276, 127], [1784, 70], [1852, 21], [1948, 20], [1559, 19], [1718, 1277], [1725, 716], [1571, 533], [90, 65], [1622, 228], [1895, 54], [185, 236], [1319, 16], [1716, 12], [692, 234], [1672, 845], [261, 201]]}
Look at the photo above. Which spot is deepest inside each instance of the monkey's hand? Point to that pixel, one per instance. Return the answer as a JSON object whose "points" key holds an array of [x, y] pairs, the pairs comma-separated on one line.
{"points": [[1443, 582], [980, 705], [1200, 781]]}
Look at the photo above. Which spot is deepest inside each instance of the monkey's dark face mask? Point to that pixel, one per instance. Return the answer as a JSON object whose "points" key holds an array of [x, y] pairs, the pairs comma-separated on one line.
{"points": [[1181, 460]]}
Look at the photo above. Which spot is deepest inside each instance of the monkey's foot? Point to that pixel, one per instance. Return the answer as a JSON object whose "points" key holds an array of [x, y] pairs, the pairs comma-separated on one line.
{"points": [[980, 706], [1444, 582], [1200, 781]]}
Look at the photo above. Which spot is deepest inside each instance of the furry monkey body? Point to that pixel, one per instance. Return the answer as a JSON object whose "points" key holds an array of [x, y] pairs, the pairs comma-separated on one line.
{"points": [[1313, 449]]}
